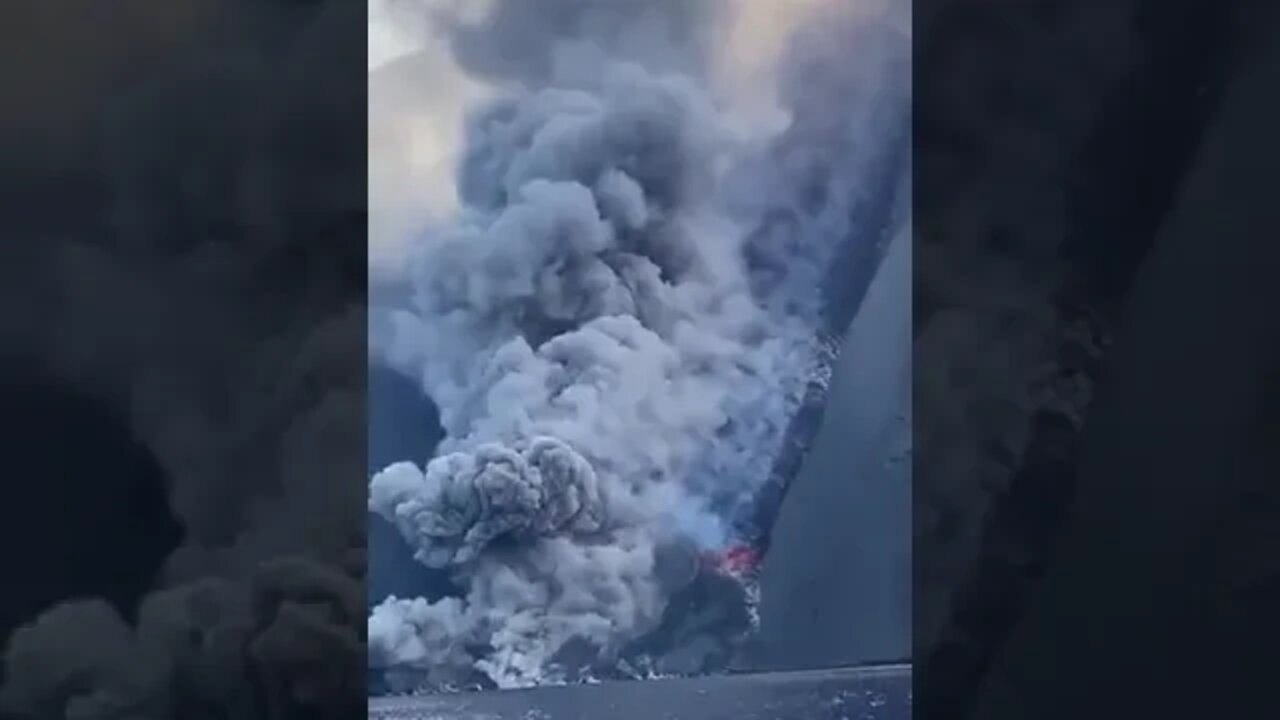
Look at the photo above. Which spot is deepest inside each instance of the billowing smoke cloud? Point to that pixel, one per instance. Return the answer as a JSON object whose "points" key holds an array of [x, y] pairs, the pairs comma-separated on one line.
{"points": [[616, 336], [538, 46], [209, 308], [583, 338]]}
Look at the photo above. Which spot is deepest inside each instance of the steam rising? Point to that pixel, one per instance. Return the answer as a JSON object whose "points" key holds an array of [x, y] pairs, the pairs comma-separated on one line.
{"points": [[613, 336]]}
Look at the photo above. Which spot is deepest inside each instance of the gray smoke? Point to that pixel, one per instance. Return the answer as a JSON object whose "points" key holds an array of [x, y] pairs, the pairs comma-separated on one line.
{"points": [[537, 45], [612, 376], [259, 424], [582, 337], [476, 498]]}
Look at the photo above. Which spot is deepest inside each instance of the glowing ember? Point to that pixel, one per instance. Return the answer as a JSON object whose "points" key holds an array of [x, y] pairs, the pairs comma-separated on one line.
{"points": [[736, 560]]}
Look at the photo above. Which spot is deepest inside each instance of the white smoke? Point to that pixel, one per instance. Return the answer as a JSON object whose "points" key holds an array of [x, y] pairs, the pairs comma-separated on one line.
{"points": [[612, 373]]}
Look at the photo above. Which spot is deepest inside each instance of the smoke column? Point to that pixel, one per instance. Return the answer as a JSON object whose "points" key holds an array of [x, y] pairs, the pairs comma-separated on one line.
{"points": [[623, 312]]}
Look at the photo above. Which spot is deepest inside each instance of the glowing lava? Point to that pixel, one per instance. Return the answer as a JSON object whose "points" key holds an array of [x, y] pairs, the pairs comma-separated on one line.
{"points": [[737, 561]]}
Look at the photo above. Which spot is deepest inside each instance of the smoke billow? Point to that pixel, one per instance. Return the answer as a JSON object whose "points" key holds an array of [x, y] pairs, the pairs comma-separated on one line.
{"points": [[535, 45], [620, 321]]}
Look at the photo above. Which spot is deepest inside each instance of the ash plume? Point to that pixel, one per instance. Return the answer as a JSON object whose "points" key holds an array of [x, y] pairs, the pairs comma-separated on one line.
{"points": [[615, 337], [535, 45]]}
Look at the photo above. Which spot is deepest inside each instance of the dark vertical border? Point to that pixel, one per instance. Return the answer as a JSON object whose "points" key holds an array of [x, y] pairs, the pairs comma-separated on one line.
{"points": [[1094, 118], [182, 358]]}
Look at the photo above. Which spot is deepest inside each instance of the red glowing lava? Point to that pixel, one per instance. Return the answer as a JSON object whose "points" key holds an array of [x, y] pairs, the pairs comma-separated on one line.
{"points": [[735, 560]]}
